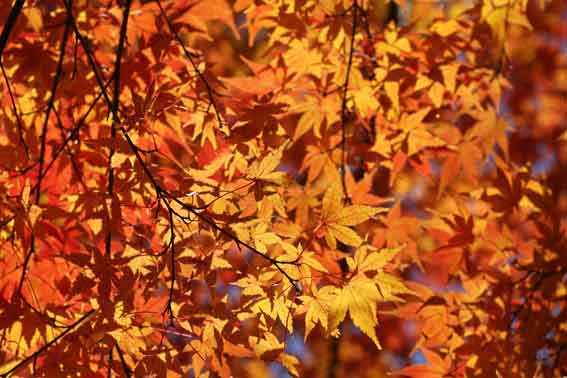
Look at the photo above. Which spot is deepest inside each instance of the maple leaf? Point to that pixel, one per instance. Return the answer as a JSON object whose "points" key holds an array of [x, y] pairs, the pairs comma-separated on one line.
{"points": [[307, 258], [418, 135], [359, 298], [263, 238], [265, 168], [393, 43], [368, 258], [498, 13], [309, 120], [34, 17], [268, 344], [361, 192], [337, 219], [318, 307], [436, 367]]}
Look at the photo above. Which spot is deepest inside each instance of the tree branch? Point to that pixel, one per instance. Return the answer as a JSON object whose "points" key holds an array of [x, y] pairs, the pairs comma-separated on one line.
{"points": [[9, 25], [115, 120], [50, 104], [189, 56], [344, 102]]}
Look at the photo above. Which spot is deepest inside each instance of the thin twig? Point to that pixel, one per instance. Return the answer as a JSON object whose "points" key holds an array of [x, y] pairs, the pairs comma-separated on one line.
{"points": [[19, 123], [74, 132], [125, 366], [115, 120], [110, 360], [9, 24], [42, 154], [74, 164], [51, 102], [161, 193], [190, 56], [344, 103]]}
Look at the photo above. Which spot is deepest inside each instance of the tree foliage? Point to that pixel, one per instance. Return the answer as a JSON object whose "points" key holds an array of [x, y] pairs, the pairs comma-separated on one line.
{"points": [[290, 187]]}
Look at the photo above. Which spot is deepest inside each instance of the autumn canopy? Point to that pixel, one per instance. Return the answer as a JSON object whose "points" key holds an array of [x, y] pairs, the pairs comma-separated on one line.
{"points": [[283, 188]]}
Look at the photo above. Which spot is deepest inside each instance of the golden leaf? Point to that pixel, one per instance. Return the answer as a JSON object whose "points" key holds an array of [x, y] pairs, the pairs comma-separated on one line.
{"points": [[318, 307], [436, 93], [356, 214], [345, 235], [422, 82], [267, 344], [390, 286], [332, 202], [311, 119], [445, 28], [367, 258], [392, 89], [35, 20], [449, 73], [265, 169], [359, 298]]}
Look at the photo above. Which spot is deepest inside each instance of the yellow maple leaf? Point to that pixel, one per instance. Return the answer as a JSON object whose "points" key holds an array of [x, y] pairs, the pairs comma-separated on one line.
{"points": [[338, 218], [282, 310], [365, 100], [356, 214], [499, 13], [449, 72], [5, 367], [382, 146], [250, 286], [359, 298], [265, 168], [436, 92], [291, 363], [412, 120], [305, 257], [219, 262], [445, 28], [422, 81], [203, 175], [392, 89], [344, 234], [318, 307], [267, 344], [390, 286], [418, 137], [332, 202], [138, 262], [393, 44], [368, 258], [34, 213], [263, 238], [311, 119], [302, 58], [121, 316], [35, 19]]}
